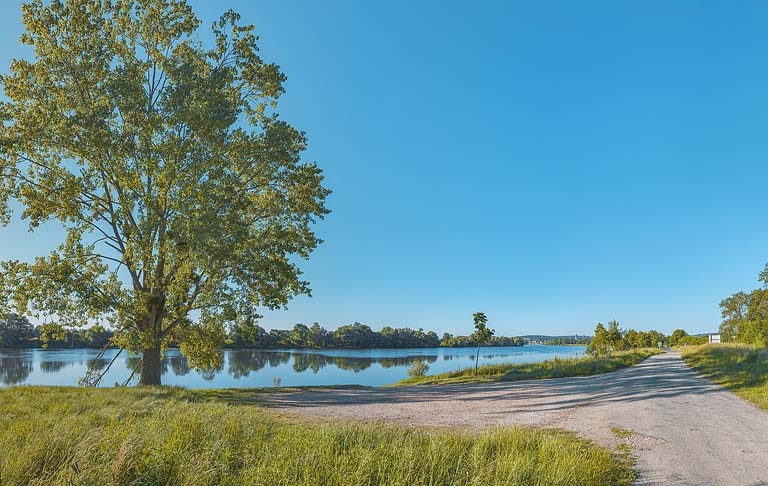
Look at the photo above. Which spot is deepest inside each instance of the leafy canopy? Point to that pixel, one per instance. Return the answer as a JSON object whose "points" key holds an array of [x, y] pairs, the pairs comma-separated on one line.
{"points": [[482, 333], [745, 315], [182, 194]]}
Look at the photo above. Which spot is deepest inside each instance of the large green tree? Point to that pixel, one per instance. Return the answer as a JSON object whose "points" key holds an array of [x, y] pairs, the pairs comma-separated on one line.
{"points": [[599, 345], [745, 315], [182, 194]]}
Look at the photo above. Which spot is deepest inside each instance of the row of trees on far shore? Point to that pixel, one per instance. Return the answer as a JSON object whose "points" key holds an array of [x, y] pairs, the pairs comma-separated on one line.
{"points": [[17, 332], [357, 335]]}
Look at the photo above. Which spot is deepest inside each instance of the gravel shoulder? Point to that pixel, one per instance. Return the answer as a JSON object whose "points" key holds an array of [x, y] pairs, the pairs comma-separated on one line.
{"points": [[685, 430]]}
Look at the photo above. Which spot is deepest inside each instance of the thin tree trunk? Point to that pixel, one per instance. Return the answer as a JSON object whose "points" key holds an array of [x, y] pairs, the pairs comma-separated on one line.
{"points": [[150, 367], [477, 358]]}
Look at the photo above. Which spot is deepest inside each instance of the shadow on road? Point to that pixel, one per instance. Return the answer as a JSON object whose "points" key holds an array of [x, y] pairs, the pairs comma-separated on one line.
{"points": [[657, 377]]}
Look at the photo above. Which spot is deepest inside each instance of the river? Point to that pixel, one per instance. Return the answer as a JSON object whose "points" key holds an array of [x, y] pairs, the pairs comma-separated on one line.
{"points": [[247, 368]]}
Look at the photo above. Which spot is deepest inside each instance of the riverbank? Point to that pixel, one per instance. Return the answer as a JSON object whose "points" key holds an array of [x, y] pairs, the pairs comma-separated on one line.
{"points": [[554, 368], [63, 436]]}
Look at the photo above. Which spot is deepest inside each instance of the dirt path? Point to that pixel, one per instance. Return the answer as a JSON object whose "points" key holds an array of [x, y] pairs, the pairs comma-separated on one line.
{"points": [[685, 429]]}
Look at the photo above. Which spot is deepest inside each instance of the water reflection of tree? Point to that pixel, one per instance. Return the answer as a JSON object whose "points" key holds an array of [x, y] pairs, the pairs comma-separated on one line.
{"points": [[242, 362], [132, 361], [179, 365], [15, 369], [405, 360], [354, 365], [53, 366], [210, 373], [302, 362]]}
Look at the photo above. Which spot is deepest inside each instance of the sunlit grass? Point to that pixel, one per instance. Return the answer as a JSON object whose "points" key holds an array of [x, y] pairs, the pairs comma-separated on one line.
{"points": [[554, 368], [740, 368], [166, 436]]}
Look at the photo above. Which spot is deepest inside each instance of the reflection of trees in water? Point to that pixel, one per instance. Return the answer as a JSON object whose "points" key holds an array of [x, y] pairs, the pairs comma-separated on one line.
{"points": [[132, 361], [54, 366], [210, 373], [276, 358], [354, 365], [406, 361], [302, 362], [179, 364], [243, 361], [15, 369]]}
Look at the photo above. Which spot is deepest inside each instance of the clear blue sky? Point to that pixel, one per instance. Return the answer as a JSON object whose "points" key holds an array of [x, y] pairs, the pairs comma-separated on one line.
{"points": [[553, 164]]}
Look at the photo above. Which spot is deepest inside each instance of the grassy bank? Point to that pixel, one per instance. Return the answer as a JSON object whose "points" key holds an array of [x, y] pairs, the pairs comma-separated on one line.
{"points": [[555, 368], [740, 368], [173, 436]]}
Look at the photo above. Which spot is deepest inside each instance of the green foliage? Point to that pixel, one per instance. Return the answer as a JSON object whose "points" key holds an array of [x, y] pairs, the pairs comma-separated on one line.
{"points": [[566, 340], [692, 340], [482, 333], [555, 368], [598, 346], [450, 341], [741, 368], [180, 190], [608, 341], [62, 436], [418, 368], [745, 315], [14, 331], [355, 336], [677, 336]]}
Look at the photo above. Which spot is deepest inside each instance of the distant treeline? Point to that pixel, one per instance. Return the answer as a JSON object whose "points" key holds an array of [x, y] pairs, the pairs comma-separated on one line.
{"points": [[557, 340], [562, 341], [18, 332], [356, 336]]}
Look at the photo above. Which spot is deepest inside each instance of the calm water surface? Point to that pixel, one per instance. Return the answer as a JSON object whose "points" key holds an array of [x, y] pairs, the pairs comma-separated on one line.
{"points": [[259, 368]]}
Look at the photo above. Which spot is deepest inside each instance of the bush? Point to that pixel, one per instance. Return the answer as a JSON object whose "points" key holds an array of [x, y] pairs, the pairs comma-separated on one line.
{"points": [[418, 368]]}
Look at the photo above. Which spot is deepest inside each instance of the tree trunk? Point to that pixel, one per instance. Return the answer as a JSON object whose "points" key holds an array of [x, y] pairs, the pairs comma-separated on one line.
{"points": [[150, 366], [477, 358]]}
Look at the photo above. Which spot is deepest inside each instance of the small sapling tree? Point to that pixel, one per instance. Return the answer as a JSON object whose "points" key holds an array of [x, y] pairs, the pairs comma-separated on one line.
{"points": [[482, 334]]}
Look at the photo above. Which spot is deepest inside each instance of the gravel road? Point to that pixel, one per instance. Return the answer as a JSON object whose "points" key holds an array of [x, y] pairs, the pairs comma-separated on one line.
{"points": [[685, 430]]}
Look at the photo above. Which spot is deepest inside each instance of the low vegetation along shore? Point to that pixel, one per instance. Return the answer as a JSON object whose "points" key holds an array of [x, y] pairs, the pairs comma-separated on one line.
{"points": [[174, 436], [555, 368], [741, 368]]}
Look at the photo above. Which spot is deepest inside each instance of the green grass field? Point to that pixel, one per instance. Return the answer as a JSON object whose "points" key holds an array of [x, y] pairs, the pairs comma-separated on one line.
{"points": [[740, 368], [556, 368], [166, 436]]}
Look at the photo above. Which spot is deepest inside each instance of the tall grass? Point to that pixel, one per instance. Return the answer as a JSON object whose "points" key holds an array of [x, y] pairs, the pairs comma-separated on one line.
{"points": [[62, 436], [554, 368], [741, 368]]}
